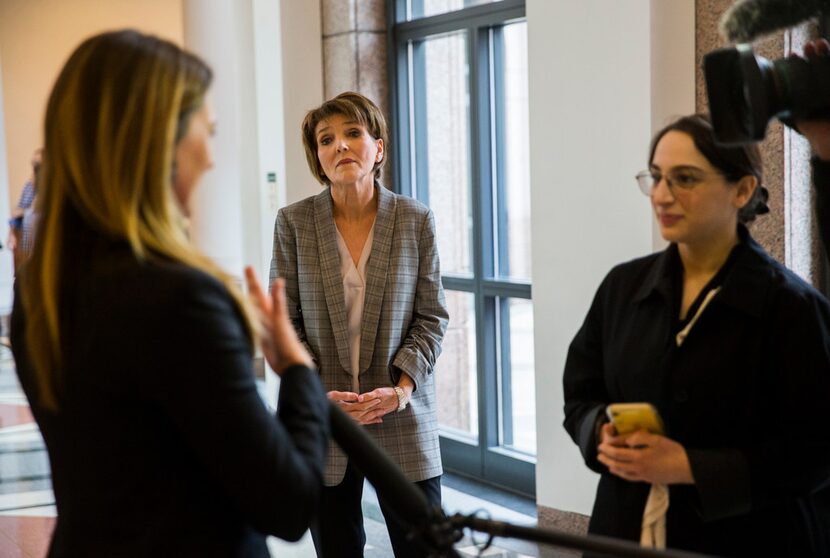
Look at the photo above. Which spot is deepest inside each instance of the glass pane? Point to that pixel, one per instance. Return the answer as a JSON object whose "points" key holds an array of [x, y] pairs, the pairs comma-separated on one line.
{"points": [[456, 382], [441, 123], [514, 174], [517, 381], [424, 8]]}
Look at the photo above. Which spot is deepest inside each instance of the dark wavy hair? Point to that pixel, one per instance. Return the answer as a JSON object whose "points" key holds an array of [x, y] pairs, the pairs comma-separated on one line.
{"points": [[734, 162]]}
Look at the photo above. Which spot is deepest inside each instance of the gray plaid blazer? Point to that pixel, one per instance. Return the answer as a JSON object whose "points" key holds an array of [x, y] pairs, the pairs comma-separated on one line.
{"points": [[404, 316]]}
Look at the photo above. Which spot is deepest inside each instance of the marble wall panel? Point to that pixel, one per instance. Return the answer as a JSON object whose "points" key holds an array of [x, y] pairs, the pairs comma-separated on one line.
{"points": [[339, 64], [339, 16], [372, 79], [371, 15]]}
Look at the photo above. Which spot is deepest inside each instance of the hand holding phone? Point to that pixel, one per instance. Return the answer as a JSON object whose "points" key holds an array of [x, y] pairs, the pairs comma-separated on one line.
{"points": [[630, 417]]}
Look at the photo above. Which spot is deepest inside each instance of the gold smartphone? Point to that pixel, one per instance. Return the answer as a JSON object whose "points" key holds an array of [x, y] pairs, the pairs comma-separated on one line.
{"points": [[630, 417]]}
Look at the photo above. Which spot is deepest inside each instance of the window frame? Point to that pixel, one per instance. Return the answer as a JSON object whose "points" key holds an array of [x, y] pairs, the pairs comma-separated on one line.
{"points": [[488, 459]]}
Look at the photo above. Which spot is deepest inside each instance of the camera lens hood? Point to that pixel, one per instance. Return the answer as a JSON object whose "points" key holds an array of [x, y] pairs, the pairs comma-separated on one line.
{"points": [[741, 92]]}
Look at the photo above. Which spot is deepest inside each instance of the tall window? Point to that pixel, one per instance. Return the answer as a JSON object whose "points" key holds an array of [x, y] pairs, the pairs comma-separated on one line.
{"points": [[461, 133]]}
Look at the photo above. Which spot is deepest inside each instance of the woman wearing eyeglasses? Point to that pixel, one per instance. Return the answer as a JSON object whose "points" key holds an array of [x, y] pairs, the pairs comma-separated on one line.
{"points": [[730, 347]]}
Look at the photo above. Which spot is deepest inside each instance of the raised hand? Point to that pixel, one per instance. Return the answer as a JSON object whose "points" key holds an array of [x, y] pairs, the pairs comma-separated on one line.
{"points": [[280, 344]]}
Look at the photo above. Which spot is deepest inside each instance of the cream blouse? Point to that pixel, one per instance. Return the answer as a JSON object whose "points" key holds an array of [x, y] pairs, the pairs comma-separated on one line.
{"points": [[354, 292]]}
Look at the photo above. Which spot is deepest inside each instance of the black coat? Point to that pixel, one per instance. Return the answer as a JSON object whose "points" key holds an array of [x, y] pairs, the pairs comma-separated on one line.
{"points": [[821, 180], [747, 395], [162, 446]]}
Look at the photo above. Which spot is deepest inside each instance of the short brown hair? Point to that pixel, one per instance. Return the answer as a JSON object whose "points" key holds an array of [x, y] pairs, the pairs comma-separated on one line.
{"points": [[353, 106]]}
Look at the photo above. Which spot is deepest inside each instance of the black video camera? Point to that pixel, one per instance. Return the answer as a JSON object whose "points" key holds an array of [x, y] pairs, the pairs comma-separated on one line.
{"points": [[746, 91]]}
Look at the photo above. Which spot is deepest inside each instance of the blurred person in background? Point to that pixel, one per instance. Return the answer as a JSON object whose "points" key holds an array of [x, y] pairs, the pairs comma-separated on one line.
{"points": [[22, 222]]}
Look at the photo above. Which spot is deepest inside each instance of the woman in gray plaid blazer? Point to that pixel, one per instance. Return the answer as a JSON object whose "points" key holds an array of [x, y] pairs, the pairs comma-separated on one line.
{"points": [[363, 283]]}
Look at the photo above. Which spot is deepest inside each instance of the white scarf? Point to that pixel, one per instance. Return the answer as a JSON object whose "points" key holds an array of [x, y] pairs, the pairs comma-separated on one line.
{"points": [[653, 530]]}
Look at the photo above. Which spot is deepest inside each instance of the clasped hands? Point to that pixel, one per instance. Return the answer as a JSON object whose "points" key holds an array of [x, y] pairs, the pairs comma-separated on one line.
{"points": [[282, 349], [644, 457], [369, 407]]}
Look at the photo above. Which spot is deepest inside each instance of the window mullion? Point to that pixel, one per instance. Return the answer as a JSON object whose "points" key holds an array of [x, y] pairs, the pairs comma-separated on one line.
{"points": [[505, 373], [499, 212], [500, 179], [418, 121], [482, 164]]}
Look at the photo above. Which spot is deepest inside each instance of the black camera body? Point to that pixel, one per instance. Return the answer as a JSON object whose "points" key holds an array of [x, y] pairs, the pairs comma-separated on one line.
{"points": [[746, 91]]}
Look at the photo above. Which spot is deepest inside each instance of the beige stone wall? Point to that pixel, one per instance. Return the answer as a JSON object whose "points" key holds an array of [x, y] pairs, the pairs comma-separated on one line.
{"points": [[354, 49], [788, 232], [36, 38]]}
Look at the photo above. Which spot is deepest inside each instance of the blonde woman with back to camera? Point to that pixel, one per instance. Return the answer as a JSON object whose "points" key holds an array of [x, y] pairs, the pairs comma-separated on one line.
{"points": [[134, 349]]}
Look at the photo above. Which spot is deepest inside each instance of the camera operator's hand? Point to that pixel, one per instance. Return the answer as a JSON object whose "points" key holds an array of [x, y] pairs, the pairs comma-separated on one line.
{"points": [[817, 132]]}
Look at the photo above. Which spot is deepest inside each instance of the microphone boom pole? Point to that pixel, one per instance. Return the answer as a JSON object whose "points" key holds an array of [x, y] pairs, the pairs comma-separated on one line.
{"points": [[438, 533], [604, 546]]}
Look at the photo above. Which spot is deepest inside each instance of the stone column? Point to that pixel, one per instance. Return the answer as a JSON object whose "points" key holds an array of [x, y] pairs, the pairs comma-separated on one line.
{"points": [[234, 206], [354, 49], [215, 30]]}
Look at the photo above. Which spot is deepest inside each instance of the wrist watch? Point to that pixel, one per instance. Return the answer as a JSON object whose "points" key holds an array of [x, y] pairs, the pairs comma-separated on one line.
{"points": [[401, 398]]}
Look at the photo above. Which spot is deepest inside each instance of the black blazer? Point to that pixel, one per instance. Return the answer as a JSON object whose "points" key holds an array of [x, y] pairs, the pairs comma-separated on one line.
{"points": [[162, 446], [747, 394]]}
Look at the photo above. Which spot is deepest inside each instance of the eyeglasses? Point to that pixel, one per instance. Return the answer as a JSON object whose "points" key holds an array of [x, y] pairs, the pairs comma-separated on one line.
{"points": [[678, 180]]}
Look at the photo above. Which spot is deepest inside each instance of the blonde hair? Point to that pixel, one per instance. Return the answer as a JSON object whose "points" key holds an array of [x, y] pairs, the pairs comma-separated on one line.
{"points": [[118, 107], [353, 106]]}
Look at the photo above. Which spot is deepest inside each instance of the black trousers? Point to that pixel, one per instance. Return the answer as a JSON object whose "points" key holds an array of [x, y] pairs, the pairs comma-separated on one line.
{"points": [[338, 530]]}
